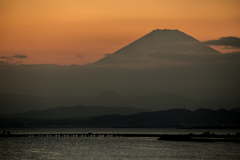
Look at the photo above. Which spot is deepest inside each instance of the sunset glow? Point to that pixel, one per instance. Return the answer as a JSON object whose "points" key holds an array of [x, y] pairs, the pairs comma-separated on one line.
{"points": [[66, 32]]}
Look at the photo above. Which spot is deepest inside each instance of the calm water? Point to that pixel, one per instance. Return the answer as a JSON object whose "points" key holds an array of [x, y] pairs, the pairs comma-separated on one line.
{"points": [[113, 147]]}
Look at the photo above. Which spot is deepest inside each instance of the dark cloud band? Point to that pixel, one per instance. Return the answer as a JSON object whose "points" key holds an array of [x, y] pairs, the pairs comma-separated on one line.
{"points": [[225, 41]]}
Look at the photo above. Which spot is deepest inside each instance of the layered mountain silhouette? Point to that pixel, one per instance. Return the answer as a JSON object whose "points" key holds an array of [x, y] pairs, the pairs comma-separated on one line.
{"points": [[75, 111], [13, 104], [155, 44], [172, 117], [201, 118]]}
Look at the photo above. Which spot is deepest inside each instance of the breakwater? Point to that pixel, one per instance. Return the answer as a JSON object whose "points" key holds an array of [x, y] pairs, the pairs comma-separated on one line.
{"points": [[202, 138]]}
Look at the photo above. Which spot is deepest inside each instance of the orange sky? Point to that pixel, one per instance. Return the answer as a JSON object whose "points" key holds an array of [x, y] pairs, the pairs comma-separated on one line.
{"points": [[56, 31]]}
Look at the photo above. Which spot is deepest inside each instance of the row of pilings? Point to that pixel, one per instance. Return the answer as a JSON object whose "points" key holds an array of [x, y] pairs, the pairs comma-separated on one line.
{"points": [[80, 135], [74, 135]]}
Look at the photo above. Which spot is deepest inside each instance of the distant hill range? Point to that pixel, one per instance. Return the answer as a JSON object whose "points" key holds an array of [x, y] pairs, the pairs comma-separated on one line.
{"points": [[75, 112], [166, 118], [235, 110], [172, 117], [13, 104]]}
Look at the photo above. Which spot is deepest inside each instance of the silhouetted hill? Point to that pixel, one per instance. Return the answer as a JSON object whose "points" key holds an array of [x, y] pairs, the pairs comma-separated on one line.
{"points": [[12, 104], [173, 117], [165, 118], [235, 109], [76, 111]]}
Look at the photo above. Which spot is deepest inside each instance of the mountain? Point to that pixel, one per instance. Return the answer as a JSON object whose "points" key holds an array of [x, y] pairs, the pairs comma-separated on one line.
{"points": [[13, 104], [160, 42], [76, 111], [200, 118], [172, 117], [235, 110], [163, 61]]}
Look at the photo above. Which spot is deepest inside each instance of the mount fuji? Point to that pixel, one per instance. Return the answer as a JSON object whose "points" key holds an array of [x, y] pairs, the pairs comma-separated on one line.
{"points": [[163, 61], [158, 44]]}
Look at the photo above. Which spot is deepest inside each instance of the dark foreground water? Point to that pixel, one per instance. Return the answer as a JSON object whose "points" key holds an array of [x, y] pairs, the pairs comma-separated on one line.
{"points": [[113, 147]]}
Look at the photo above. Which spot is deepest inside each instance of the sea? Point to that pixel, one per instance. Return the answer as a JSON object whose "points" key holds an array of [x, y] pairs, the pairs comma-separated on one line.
{"points": [[111, 148]]}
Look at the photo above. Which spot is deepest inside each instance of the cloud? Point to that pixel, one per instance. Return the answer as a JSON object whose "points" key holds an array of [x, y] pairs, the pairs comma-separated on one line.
{"points": [[225, 41], [3, 63], [18, 62], [79, 56], [4, 57], [169, 58], [235, 53], [10, 59], [19, 56], [173, 58], [232, 56], [7, 58]]}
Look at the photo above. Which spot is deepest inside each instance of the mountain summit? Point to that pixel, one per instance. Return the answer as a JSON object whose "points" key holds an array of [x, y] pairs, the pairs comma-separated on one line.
{"points": [[155, 44]]}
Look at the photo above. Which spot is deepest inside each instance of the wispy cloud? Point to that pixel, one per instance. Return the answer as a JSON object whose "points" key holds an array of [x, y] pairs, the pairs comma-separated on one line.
{"points": [[19, 56], [11, 58], [4, 57], [79, 56]]}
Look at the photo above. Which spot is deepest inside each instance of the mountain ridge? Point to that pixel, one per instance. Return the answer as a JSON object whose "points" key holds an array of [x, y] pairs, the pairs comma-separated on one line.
{"points": [[12, 104], [75, 111], [200, 118]]}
